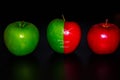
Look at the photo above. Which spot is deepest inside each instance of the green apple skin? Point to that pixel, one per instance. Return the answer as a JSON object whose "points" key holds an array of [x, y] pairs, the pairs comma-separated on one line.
{"points": [[21, 37], [56, 41]]}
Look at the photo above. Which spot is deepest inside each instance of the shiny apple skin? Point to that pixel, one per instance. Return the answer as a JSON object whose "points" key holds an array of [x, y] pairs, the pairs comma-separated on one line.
{"points": [[72, 36], [103, 40], [55, 35], [21, 38], [63, 36]]}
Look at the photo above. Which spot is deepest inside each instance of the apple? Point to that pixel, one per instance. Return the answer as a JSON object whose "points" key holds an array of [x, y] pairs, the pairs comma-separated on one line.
{"points": [[63, 36], [21, 37], [103, 38]]}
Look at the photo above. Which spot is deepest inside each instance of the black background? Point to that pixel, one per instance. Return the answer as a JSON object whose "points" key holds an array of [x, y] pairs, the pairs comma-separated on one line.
{"points": [[82, 64]]}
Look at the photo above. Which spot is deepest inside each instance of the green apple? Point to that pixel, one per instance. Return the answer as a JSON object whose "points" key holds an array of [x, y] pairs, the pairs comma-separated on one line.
{"points": [[55, 36], [21, 37]]}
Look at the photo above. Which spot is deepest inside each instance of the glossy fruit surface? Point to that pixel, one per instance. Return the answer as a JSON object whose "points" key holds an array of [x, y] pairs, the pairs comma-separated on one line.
{"points": [[63, 36], [55, 35], [72, 36], [21, 37], [103, 38]]}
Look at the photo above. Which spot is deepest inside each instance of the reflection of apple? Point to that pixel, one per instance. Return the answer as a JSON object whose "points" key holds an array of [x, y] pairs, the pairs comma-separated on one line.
{"points": [[101, 68], [103, 38], [64, 67], [63, 36], [24, 69], [21, 38]]}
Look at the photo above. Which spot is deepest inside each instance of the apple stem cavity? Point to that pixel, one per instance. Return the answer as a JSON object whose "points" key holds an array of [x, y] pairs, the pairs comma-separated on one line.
{"points": [[21, 24], [106, 24], [63, 17]]}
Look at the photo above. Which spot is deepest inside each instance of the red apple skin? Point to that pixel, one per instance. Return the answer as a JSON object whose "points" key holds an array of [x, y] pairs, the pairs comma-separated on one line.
{"points": [[103, 39], [72, 36]]}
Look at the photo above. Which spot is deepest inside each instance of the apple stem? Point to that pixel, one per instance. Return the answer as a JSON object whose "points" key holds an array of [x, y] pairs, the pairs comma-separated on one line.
{"points": [[106, 23], [63, 17]]}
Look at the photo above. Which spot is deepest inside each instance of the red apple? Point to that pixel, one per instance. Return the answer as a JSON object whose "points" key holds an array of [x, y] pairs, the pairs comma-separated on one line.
{"points": [[72, 36], [103, 38]]}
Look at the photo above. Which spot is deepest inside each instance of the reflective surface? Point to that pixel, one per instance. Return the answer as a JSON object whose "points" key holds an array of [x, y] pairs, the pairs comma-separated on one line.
{"points": [[61, 67], [21, 68]]}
